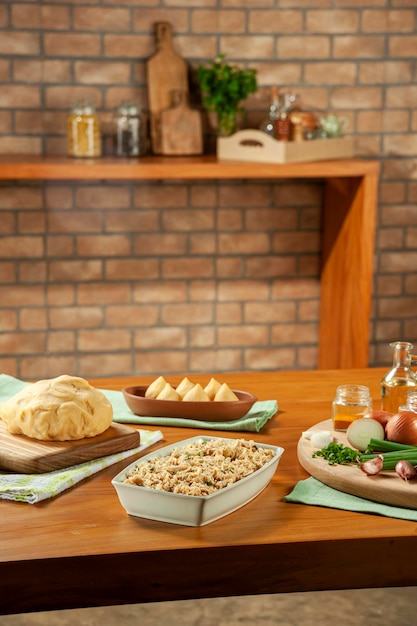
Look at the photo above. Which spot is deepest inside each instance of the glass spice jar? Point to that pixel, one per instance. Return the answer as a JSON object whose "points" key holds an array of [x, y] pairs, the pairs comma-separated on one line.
{"points": [[130, 130], [83, 131], [351, 402]]}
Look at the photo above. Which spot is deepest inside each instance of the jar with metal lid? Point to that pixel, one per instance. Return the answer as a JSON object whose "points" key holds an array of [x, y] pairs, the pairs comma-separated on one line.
{"points": [[351, 403], [130, 130], [83, 130]]}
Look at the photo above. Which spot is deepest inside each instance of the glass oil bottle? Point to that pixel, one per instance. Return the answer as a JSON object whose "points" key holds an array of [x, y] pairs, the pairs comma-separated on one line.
{"points": [[400, 379]]}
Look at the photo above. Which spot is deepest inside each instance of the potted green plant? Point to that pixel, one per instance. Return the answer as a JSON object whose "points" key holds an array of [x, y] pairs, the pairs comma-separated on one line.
{"points": [[223, 88]]}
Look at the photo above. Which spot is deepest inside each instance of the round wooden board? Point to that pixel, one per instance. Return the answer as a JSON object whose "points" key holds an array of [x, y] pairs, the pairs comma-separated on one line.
{"points": [[386, 487]]}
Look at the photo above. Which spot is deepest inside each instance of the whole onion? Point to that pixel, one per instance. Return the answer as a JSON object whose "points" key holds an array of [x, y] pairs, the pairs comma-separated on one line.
{"points": [[402, 428], [380, 416]]}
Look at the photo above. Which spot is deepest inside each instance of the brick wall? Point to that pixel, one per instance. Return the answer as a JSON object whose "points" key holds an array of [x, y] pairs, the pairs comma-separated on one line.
{"points": [[103, 279]]}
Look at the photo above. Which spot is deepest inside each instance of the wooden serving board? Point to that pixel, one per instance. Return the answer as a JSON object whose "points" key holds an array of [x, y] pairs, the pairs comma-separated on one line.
{"points": [[167, 72], [22, 454], [386, 487], [181, 128]]}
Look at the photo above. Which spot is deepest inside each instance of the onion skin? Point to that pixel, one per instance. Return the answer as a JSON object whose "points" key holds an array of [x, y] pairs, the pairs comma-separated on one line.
{"points": [[402, 428], [380, 416]]}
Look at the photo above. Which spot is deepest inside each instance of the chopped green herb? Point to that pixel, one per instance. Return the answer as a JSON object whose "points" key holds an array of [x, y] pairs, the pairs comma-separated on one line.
{"points": [[338, 454]]}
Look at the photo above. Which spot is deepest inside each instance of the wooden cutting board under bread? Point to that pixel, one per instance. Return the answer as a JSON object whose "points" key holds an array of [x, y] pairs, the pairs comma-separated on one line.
{"points": [[22, 454], [167, 72], [386, 487]]}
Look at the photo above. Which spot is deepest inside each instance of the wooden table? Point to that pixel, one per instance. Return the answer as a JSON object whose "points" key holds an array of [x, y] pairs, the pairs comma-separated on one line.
{"points": [[349, 220], [81, 549]]}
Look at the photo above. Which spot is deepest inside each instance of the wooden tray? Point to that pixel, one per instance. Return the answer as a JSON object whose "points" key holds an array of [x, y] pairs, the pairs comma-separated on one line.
{"points": [[386, 487], [21, 454], [258, 147]]}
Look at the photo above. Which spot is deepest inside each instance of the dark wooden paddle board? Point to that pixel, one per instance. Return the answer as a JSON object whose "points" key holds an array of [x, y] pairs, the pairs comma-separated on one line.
{"points": [[167, 72], [22, 454], [386, 487]]}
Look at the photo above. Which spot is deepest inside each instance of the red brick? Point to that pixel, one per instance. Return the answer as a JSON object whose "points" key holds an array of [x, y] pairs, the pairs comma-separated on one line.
{"points": [[71, 44], [244, 195], [242, 336], [386, 21], [33, 319], [203, 291], [16, 43], [269, 312], [187, 314], [267, 21], [7, 272], [294, 333], [75, 222], [185, 268], [131, 221], [75, 317], [101, 19], [202, 243], [131, 269], [144, 18], [359, 47], [94, 340], [243, 290], [33, 271], [60, 294], [196, 220], [309, 310], [402, 46], [94, 72], [218, 21], [269, 359], [313, 47], [244, 243], [38, 367], [217, 360], [401, 96], [148, 362], [160, 292], [270, 266], [202, 337], [128, 46], [296, 242], [61, 341], [380, 121], [132, 316], [331, 73], [332, 21], [229, 313], [374, 72], [247, 47], [277, 73], [107, 364], [357, 97], [75, 270], [22, 343], [156, 338], [401, 144], [15, 247], [163, 196], [397, 307], [230, 267], [8, 320], [103, 245], [103, 293]]}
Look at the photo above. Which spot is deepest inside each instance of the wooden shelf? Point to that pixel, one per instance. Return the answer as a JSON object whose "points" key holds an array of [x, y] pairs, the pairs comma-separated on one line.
{"points": [[349, 217], [151, 168]]}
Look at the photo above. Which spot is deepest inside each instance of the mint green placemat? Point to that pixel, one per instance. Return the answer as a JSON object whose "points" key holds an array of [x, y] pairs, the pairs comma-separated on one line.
{"points": [[312, 491], [260, 413]]}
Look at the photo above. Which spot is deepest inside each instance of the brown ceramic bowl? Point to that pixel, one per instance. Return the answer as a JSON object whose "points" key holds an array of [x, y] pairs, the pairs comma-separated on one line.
{"points": [[203, 411]]}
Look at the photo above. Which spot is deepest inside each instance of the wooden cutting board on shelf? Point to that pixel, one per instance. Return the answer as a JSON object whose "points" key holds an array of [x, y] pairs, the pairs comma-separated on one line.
{"points": [[181, 128], [22, 454], [167, 72], [386, 487]]}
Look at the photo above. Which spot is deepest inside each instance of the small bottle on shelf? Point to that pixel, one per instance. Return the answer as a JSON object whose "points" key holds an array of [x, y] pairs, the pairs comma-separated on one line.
{"points": [[268, 124]]}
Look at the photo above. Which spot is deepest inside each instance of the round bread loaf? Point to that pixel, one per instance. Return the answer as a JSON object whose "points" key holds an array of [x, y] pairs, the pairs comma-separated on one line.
{"points": [[57, 409]]}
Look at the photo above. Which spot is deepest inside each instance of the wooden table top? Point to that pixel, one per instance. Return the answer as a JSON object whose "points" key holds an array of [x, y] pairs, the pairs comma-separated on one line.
{"points": [[82, 549]]}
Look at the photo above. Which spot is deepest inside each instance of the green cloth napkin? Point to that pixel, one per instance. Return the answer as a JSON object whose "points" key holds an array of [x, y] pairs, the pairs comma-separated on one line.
{"points": [[253, 421], [312, 491], [33, 488]]}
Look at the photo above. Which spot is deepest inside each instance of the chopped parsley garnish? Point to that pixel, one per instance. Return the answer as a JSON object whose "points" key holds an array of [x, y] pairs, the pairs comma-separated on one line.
{"points": [[338, 454]]}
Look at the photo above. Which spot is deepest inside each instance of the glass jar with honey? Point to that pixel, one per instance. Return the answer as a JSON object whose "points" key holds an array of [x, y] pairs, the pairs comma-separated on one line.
{"points": [[351, 403], [400, 379], [83, 131]]}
